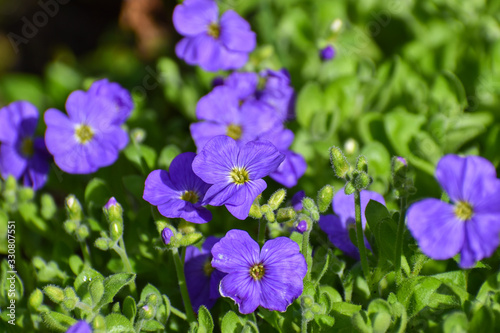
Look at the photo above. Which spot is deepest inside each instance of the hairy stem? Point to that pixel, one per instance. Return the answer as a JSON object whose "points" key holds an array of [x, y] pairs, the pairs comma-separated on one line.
{"points": [[399, 239], [262, 231], [179, 267], [361, 239]]}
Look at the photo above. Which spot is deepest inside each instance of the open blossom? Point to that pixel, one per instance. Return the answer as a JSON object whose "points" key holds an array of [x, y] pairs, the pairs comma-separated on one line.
{"points": [[470, 224], [81, 326], [235, 172], [271, 277], [178, 192], [222, 114], [202, 279], [337, 226], [21, 154], [212, 43], [87, 138], [119, 96]]}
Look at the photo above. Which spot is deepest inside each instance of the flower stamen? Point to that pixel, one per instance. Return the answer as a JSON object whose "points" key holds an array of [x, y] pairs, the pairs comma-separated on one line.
{"points": [[27, 147], [83, 133], [190, 196], [239, 175], [464, 210], [234, 131], [257, 272], [207, 268], [214, 30]]}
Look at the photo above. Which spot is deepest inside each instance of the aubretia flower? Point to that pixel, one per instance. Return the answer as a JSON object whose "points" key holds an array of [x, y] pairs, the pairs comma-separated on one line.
{"points": [[327, 53], [202, 279], [222, 114], [210, 42], [81, 326], [167, 235], [178, 192], [337, 226], [271, 277], [87, 138], [297, 200], [470, 224], [115, 93], [235, 172], [21, 154]]}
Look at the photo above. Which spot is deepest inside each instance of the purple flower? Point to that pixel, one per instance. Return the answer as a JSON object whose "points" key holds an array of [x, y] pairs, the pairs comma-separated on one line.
{"points": [[223, 115], [327, 53], [470, 224], [271, 277], [115, 93], [21, 154], [294, 166], [211, 43], [81, 326], [178, 192], [278, 92], [297, 200], [302, 226], [202, 279], [337, 226], [111, 202], [235, 172], [87, 138], [166, 235]]}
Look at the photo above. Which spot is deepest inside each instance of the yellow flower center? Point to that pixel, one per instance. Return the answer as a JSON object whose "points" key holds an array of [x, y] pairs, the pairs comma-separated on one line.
{"points": [[84, 133], [214, 30], [234, 131], [190, 196], [239, 175], [463, 210], [207, 268], [27, 147], [257, 271]]}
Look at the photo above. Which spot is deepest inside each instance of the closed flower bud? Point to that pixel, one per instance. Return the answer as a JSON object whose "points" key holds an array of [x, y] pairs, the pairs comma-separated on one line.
{"points": [[190, 239], [26, 194], [116, 308], [70, 226], [152, 300], [302, 226], [113, 210], [255, 212], [277, 199], [146, 312], [308, 301], [55, 293], [102, 243], [69, 303], [268, 213], [285, 215], [362, 164], [167, 235], [311, 207], [339, 162], [186, 227], [10, 190], [116, 230], [349, 188], [399, 170], [362, 180], [73, 208], [138, 135], [325, 197], [36, 299], [82, 232], [99, 323]]}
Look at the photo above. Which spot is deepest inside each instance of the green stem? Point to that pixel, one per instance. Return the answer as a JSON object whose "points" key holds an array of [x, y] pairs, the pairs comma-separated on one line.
{"points": [[86, 252], [178, 313], [179, 267], [262, 231], [120, 250], [399, 239], [304, 325], [361, 239], [305, 250]]}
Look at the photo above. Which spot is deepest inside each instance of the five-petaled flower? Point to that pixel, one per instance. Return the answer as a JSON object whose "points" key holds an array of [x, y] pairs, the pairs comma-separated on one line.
{"points": [[235, 172], [178, 192], [21, 154], [470, 224], [270, 277]]}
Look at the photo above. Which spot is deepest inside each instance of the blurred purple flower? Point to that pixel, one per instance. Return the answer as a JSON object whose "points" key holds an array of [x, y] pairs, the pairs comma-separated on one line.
{"points": [[222, 114], [297, 200], [327, 53], [294, 166], [87, 138], [119, 96], [210, 42], [271, 277], [178, 192], [235, 172], [470, 225], [21, 154], [202, 279], [81, 326], [337, 226], [166, 235]]}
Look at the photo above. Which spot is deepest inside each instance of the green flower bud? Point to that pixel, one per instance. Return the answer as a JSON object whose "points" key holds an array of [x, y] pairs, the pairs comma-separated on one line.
{"points": [[186, 227], [73, 208], [10, 191], [308, 315], [96, 290], [255, 212], [69, 304], [188, 239], [349, 188], [160, 225], [82, 232], [70, 226], [325, 197], [70, 299], [361, 180], [339, 162], [38, 262], [48, 206], [317, 309], [99, 323], [147, 312], [138, 135], [309, 205], [277, 199], [285, 215], [26, 194], [307, 301], [152, 300], [116, 230], [102, 243], [113, 210], [36, 299], [268, 213], [362, 164], [55, 293], [116, 308]]}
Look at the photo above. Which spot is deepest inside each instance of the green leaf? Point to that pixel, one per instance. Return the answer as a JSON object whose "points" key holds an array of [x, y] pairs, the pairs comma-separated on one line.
{"points": [[129, 308], [456, 322], [482, 321], [5, 283], [309, 102], [384, 229], [167, 155], [379, 312], [142, 156], [152, 326], [205, 321], [231, 322], [112, 286], [342, 312], [97, 193], [57, 321], [117, 323], [76, 264], [490, 286]]}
